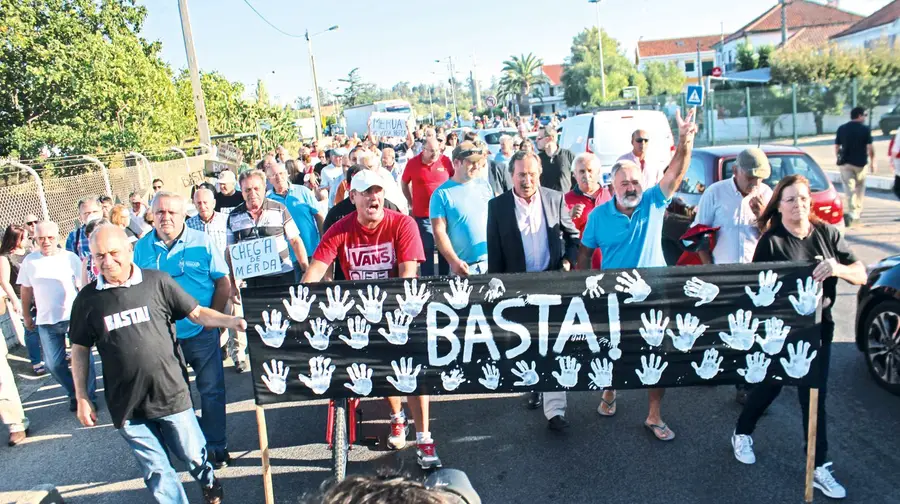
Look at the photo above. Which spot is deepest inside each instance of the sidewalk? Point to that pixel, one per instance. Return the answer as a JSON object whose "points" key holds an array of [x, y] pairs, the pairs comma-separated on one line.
{"points": [[821, 148]]}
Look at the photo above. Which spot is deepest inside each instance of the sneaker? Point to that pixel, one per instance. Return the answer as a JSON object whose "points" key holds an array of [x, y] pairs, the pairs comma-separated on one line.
{"points": [[220, 460], [213, 494], [399, 432], [743, 448], [825, 482], [241, 367], [427, 456]]}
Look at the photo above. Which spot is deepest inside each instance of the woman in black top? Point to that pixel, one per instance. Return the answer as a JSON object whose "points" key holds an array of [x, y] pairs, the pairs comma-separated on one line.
{"points": [[13, 249], [793, 233]]}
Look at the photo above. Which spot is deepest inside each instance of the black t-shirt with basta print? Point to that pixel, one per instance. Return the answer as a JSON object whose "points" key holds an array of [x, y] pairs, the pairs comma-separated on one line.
{"points": [[225, 203], [778, 244], [133, 329]]}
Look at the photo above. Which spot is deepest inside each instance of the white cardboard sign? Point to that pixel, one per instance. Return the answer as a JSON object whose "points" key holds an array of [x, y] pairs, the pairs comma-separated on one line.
{"points": [[255, 258], [389, 124]]}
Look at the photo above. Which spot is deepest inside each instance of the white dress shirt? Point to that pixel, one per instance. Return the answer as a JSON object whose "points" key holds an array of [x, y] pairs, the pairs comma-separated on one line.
{"points": [[533, 228], [724, 207]]}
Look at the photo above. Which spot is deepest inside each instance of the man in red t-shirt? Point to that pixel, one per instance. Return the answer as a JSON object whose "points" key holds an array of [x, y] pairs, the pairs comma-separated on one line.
{"points": [[423, 174], [587, 194], [378, 243]]}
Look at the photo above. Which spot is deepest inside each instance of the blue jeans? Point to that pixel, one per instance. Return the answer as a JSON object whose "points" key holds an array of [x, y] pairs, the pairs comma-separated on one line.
{"points": [[53, 341], [427, 235], [203, 354], [33, 342], [181, 434]]}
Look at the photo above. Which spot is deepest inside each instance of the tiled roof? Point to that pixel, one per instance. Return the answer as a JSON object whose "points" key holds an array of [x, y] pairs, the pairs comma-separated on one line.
{"points": [[887, 14], [800, 13], [554, 73], [648, 48], [815, 36]]}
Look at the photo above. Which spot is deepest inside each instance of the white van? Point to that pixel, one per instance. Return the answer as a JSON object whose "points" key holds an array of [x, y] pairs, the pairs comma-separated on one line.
{"points": [[608, 135]]}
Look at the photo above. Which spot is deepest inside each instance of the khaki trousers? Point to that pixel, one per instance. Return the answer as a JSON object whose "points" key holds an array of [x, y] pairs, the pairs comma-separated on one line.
{"points": [[854, 180]]}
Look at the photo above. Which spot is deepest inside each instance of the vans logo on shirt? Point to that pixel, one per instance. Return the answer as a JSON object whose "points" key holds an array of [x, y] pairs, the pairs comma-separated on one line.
{"points": [[126, 318], [371, 261]]}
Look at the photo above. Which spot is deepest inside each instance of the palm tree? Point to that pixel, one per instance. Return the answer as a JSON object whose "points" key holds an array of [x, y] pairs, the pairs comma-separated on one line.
{"points": [[522, 76]]}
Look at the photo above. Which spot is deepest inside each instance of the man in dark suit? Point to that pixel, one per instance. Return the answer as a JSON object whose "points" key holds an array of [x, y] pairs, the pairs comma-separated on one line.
{"points": [[543, 239]]}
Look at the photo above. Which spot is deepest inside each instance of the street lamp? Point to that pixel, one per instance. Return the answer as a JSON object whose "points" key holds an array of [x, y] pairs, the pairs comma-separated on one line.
{"points": [[600, 43], [312, 64], [452, 85]]}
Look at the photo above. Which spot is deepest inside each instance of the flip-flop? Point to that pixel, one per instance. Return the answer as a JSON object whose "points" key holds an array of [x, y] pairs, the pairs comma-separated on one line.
{"points": [[610, 406], [660, 431]]}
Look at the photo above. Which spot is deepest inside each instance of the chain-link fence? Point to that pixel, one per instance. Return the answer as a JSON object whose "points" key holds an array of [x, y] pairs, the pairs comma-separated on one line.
{"points": [[52, 187]]}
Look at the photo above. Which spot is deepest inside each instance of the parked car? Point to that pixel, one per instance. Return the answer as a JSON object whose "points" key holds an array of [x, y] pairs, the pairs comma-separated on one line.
{"points": [[491, 137], [608, 135], [878, 322], [890, 121], [712, 164]]}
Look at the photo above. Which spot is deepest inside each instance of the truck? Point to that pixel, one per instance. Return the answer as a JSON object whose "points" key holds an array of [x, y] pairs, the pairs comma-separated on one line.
{"points": [[357, 118]]}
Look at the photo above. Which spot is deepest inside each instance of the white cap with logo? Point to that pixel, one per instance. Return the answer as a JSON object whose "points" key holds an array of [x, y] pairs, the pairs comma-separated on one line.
{"points": [[365, 179]]}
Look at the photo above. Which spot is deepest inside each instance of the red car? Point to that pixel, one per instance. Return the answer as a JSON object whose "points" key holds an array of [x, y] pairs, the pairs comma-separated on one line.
{"points": [[712, 164]]}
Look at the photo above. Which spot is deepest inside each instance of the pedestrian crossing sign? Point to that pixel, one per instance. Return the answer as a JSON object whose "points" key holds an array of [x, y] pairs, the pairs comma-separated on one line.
{"points": [[693, 96]]}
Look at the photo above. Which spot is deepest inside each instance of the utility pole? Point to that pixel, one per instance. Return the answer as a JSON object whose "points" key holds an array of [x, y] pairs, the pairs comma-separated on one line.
{"points": [[193, 68], [600, 44], [317, 113], [783, 22], [476, 89], [699, 66], [453, 89]]}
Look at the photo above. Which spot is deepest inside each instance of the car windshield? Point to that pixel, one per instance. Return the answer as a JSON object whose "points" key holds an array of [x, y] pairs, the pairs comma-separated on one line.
{"points": [[494, 138], [789, 164]]}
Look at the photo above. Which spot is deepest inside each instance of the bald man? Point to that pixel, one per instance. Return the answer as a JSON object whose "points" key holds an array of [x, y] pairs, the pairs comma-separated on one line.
{"points": [[50, 279], [129, 314], [423, 174]]}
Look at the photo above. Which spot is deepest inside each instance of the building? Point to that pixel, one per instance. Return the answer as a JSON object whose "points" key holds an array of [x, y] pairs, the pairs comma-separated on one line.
{"points": [[552, 99], [884, 25], [682, 52], [814, 19]]}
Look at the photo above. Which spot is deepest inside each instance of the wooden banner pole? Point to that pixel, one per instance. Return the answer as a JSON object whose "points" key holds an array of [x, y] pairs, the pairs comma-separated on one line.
{"points": [[811, 443], [264, 451]]}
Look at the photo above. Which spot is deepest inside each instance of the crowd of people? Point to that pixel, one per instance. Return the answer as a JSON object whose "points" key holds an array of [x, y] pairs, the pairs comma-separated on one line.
{"points": [[151, 289]]}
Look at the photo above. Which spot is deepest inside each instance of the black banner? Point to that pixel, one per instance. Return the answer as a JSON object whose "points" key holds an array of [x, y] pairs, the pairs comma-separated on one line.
{"points": [[552, 331]]}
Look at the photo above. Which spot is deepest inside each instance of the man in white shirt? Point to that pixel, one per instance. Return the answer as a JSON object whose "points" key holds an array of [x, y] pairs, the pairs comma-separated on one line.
{"points": [[733, 205], [640, 145], [331, 173], [50, 280]]}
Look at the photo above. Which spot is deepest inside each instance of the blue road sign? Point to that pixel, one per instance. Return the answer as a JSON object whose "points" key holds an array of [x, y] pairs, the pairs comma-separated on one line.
{"points": [[693, 96]]}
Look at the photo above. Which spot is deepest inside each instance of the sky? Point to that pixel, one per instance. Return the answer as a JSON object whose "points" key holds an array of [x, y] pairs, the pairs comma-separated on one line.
{"points": [[398, 40]]}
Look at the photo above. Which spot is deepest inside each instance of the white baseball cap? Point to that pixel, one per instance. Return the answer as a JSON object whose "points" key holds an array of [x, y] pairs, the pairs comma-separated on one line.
{"points": [[226, 177], [365, 179]]}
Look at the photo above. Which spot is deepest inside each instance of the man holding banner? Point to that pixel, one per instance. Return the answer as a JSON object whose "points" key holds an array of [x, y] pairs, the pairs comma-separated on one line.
{"points": [[628, 231], [379, 243]]}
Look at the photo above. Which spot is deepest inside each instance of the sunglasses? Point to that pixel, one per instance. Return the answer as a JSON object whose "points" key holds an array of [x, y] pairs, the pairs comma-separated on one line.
{"points": [[32, 223], [157, 187], [642, 140]]}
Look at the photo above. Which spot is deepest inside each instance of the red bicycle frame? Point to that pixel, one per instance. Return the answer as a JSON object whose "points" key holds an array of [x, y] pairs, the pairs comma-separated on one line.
{"points": [[352, 404]]}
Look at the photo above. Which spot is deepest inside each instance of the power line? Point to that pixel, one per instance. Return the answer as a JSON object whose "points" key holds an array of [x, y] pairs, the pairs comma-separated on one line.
{"points": [[279, 30]]}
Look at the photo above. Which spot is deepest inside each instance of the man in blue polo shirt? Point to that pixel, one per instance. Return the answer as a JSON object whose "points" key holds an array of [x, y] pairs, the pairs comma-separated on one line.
{"points": [[198, 266], [628, 230], [300, 203]]}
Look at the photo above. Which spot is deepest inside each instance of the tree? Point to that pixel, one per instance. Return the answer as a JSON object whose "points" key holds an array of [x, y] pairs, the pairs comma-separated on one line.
{"points": [[747, 59], [764, 55], [356, 91], [522, 75], [818, 75], [663, 78], [581, 71]]}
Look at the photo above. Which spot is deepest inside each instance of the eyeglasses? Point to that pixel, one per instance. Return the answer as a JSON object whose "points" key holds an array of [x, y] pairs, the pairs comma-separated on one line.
{"points": [[32, 223], [157, 187], [642, 140]]}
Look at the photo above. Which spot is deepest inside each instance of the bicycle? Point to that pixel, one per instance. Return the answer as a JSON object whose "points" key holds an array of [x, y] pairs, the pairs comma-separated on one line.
{"points": [[340, 432]]}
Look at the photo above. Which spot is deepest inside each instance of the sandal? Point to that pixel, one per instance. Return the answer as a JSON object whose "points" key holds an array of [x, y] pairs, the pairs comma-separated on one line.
{"points": [[39, 369], [610, 406], [662, 431]]}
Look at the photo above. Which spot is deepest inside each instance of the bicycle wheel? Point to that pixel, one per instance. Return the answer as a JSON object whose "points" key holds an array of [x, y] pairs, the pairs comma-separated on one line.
{"points": [[339, 441]]}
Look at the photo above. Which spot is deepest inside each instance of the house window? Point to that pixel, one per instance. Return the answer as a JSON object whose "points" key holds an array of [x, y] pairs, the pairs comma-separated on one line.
{"points": [[707, 67], [552, 90], [689, 66]]}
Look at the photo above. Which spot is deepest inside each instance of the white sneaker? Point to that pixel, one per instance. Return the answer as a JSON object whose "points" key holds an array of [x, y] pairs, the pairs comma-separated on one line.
{"points": [[743, 448], [397, 438], [825, 482]]}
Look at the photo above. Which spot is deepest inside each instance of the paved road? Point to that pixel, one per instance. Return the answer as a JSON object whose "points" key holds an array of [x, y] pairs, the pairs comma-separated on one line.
{"points": [[508, 452]]}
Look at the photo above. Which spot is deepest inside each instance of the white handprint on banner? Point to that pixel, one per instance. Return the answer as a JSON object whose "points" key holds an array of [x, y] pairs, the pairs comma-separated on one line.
{"points": [[275, 378], [415, 298], [633, 285], [705, 292], [458, 297], [321, 332], [601, 374], [592, 286], [320, 371], [359, 333], [768, 287], [338, 306], [709, 366], [743, 330], [808, 297], [453, 380], [275, 330], [527, 375], [757, 364], [491, 378], [654, 329], [496, 290], [615, 326], [360, 379], [651, 370], [568, 372], [298, 308], [776, 333], [371, 306], [398, 328], [797, 366], [689, 330], [406, 375]]}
